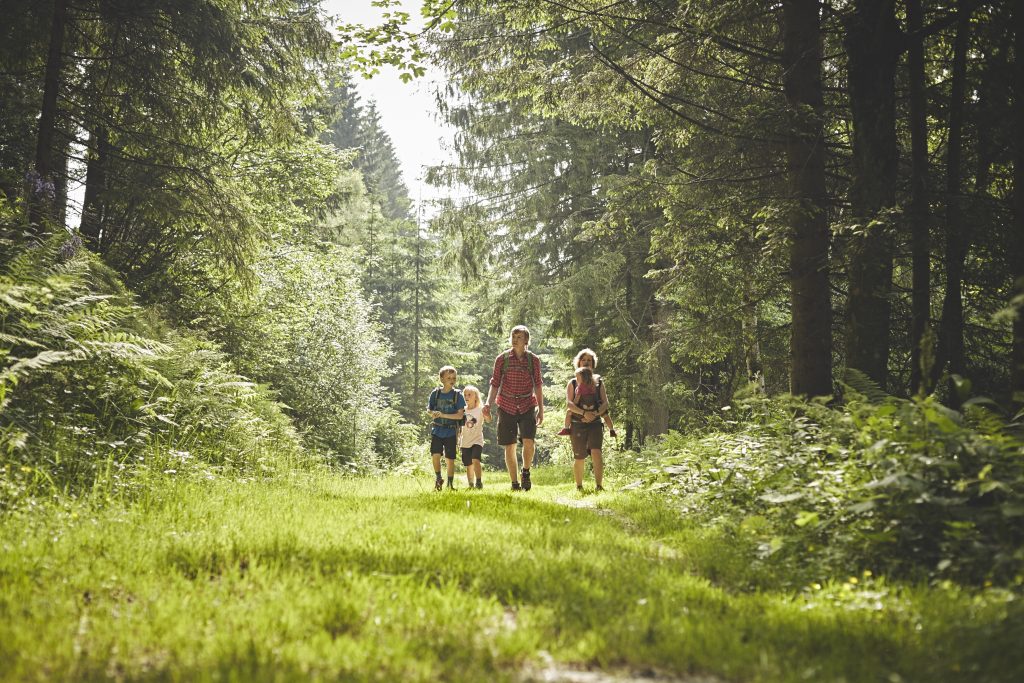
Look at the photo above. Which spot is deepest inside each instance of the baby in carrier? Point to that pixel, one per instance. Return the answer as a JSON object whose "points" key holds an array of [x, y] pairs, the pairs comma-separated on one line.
{"points": [[587, 396]]}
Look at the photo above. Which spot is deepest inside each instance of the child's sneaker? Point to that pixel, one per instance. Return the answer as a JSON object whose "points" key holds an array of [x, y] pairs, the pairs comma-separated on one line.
{"points": [[566, 432], [438, 484], [527, 484], [479, 484], [516, 486]]}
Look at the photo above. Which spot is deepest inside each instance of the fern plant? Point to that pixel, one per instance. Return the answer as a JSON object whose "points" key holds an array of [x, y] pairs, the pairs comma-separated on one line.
{"points": [[93, 393]]}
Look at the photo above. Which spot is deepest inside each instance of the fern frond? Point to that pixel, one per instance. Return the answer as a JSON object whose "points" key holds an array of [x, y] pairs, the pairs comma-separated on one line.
{"points": [[863, 385]]}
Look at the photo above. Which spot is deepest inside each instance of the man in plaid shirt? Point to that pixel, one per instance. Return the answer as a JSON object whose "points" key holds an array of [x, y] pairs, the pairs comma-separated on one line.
{"points": [[517, 385]]}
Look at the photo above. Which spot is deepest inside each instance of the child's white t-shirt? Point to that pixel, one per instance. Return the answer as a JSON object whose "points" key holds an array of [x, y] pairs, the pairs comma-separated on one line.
{"points": [[473, 430]]}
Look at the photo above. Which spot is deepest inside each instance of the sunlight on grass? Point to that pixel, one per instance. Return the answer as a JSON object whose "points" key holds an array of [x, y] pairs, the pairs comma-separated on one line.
{"points": [[326, 577]]}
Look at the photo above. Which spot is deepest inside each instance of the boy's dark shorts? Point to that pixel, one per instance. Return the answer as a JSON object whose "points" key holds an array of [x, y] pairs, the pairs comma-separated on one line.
{"points": [[470, 454], [443, 443], [586, 436], [509, 425]]}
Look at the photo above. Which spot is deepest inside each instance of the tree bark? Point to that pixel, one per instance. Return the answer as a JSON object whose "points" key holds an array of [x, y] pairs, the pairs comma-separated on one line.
{"points": [[658, 372], [871, 43], [811, 334], [95, 185], [1017, 243], [951, 331], [917, 214], [48, 114]]}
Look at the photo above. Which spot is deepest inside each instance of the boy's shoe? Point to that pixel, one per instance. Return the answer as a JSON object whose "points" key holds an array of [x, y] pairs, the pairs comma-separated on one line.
{"points": [[479, 484], [611, 433], [566, 432], [516, 486], [438, 484], [527, 484]]}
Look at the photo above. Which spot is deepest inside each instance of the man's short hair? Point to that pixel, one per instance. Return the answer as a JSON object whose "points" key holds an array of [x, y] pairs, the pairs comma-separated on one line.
{"points": [[519, 328]]}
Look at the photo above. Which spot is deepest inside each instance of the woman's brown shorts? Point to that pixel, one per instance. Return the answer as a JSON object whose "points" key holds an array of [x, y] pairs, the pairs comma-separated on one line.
{"points": [[586, 436]]}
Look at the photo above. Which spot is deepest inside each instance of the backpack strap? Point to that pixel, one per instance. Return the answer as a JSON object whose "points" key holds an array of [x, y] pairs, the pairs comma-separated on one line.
{"points": [[458, 393]]}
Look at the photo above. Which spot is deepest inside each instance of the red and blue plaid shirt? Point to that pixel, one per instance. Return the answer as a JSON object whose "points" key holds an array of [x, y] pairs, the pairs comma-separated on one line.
{"points": [[516, 393]]}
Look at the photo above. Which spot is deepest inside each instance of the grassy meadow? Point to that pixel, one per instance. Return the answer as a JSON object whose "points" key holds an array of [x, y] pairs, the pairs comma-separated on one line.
{"points": [[324, 577]]}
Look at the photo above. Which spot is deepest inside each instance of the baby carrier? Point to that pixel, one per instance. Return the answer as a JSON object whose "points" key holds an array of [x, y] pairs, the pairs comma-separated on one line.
{"points": [[586, 401]]}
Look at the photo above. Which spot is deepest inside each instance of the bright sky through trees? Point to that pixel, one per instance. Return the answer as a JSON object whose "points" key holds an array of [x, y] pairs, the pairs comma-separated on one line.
{"points": [[407, 110]]}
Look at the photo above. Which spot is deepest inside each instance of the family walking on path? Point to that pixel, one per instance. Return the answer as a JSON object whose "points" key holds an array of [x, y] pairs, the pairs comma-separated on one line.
{"points": [[516, 390]]}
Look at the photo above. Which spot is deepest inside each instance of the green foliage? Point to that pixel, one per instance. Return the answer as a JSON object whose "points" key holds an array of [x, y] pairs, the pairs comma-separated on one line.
{"points": [[93, 393], [307, 330], [900, 486]]}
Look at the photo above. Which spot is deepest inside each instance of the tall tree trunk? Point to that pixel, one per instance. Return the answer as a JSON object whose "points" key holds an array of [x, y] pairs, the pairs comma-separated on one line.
{"points": [[416, 309], [658, 372], [871, 46], [951, 331], [48, 114], [811, 335], [751, 345], [920, 306], [95, 186], [1017, 233]]}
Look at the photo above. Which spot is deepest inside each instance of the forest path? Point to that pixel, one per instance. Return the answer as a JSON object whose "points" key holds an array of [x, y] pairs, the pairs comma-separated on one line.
{"points": [[324, 577]]}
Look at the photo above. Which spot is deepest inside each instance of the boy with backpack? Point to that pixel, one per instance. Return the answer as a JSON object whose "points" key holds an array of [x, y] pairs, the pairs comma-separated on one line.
{"points": [[446, 406]]}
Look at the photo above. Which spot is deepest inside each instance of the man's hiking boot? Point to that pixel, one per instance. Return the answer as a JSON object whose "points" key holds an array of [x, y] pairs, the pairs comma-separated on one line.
{"points": [[527, 484], [565, 432], [438, 484], [516, 486]]}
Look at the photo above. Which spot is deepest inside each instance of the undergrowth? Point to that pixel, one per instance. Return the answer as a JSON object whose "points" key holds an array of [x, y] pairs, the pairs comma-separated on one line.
{"points": [[906, 487], [96, 390]]}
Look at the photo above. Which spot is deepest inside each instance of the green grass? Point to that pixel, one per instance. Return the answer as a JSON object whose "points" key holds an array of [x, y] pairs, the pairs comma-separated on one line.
{"points": [[326, 577]]}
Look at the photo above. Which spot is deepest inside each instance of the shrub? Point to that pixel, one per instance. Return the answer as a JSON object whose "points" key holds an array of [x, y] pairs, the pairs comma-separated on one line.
{"points": [[92, 392], [906, 486]]}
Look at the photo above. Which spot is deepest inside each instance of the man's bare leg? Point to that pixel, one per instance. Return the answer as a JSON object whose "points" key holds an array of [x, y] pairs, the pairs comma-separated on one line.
{"points": [[512, 462], [528, 447]]}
